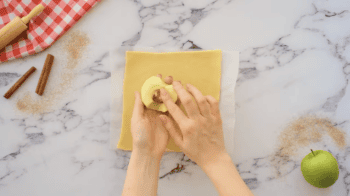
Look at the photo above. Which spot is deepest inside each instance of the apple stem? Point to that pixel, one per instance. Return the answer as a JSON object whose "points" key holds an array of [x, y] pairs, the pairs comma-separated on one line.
{"points": [[312, 152]]}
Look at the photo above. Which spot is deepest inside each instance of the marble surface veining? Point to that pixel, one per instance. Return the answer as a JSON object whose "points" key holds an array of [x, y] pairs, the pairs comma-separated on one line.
{"points": [[294, 61]]}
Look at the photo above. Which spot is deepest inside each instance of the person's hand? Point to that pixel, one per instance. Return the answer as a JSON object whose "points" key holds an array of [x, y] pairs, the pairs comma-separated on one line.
{"points": [[148, 133], [200, 135]]}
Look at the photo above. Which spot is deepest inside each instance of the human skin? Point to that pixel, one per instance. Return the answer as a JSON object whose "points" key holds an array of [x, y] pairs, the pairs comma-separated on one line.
{"points": [[150, 139], [201, 139]]}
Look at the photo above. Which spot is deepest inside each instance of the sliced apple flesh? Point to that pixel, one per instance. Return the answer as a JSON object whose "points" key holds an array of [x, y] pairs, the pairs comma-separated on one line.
{"points": [[150, 93]]}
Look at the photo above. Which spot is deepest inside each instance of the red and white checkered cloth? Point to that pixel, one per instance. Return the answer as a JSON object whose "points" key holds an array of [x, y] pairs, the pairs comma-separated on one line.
{"points": [[46, 28]]}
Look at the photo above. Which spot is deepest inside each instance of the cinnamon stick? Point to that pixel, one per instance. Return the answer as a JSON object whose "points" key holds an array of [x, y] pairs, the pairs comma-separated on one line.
{"points": [[44, 74], [41, 78], [19, 83]]}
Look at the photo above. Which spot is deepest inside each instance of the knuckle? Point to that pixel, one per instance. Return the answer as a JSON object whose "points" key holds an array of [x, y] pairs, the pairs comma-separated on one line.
{"points": [[217, 119], [202, 101], [209, 97], [212, 98], [189, 126], [205, 121], [187, 101], [216, 102], [212, 118], [216, 106]]}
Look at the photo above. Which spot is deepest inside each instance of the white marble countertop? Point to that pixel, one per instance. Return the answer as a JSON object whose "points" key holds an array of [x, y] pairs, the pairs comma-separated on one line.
{"points": [[294, 64]]}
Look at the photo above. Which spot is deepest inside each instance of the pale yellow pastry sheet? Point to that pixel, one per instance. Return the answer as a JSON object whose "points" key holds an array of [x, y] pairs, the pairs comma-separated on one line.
{"points": [[200, 68]]}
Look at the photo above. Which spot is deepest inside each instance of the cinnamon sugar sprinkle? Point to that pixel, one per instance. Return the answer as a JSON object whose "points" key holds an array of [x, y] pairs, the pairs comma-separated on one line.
{"points": [[70, 53], [301, 134]]}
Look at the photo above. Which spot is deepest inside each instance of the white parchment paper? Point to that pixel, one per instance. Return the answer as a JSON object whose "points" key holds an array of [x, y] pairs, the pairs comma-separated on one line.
{"points": [[229, 74]]}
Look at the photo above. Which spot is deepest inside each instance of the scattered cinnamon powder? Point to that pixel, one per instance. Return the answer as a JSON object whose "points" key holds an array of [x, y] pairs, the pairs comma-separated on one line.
{"points": [[73, 46], [29, 105], [301, 133]]}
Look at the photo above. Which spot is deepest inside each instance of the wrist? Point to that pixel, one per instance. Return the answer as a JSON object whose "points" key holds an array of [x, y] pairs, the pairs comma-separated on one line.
{"points": [[145, 154], [225, 177], [222, 158]]}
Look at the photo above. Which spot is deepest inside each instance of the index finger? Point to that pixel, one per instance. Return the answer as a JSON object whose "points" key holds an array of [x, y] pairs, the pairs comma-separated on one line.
{"points": [[169, 80], [173, 109]]}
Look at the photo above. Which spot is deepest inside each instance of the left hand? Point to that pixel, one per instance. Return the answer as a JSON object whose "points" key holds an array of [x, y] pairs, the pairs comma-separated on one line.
{"points": [[148, 132]]}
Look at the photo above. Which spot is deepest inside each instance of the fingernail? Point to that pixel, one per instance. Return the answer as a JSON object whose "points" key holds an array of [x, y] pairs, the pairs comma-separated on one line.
{"points": [[163, 91]]}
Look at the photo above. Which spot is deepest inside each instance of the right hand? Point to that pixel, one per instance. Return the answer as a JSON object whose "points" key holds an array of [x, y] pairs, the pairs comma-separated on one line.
{"points": [[202, 138]]}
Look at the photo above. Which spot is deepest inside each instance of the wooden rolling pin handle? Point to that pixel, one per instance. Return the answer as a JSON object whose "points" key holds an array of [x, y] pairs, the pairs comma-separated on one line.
{"points": [[36, 11]]}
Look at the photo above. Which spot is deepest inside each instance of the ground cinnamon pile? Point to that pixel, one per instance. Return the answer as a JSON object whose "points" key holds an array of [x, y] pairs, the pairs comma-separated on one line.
{"points": [[71, 50], [75, 47], [300, 134]]}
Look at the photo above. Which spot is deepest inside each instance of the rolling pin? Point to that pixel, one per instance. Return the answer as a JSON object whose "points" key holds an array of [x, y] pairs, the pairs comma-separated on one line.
{"points": [[17, 26]]}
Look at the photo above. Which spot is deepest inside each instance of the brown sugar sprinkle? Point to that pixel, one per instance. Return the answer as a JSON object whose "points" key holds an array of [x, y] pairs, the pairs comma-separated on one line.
{"points": [[29, 105], [72, 47], [75, 45], [301, 133]]}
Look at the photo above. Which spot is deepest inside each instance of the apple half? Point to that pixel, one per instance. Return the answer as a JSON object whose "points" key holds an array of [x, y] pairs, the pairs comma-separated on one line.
{"points": [[150, 93]]}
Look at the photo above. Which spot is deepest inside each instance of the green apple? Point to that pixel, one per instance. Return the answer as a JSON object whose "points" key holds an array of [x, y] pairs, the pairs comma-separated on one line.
{"points": [[320, 168]]}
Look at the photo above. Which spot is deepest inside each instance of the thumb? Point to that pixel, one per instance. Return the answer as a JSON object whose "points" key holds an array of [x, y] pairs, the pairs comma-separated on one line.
{"points": [[138, 107], [168, 124]]}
